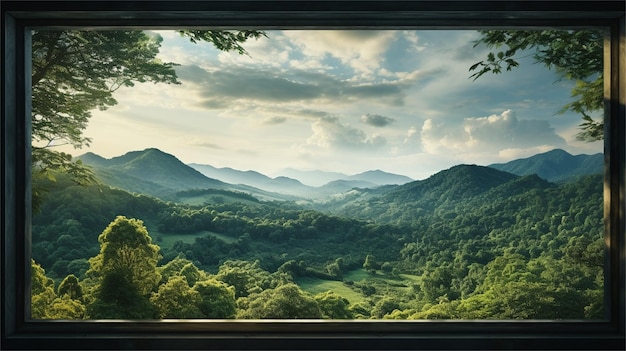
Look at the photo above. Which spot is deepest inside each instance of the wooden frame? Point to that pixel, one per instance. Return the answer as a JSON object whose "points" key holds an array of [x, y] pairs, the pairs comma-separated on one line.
{"points": [[19, 332]]}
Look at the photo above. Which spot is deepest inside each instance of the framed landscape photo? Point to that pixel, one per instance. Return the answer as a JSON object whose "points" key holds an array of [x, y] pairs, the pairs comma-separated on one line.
{"points": [[313, 175]]}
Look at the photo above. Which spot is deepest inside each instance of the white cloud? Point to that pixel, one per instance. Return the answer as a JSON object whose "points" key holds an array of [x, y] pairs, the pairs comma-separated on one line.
{"points": [[278, 100], [488, 135], [410, 134], [363, 50], [330, 133]]}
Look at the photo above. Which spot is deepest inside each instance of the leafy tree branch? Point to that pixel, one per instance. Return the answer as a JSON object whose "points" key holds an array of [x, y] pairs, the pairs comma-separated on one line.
{"points": [[574, 54]]}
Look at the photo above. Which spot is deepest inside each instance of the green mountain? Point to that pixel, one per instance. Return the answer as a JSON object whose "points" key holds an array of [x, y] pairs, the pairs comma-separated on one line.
{"points": [[151, 172], [462, 244], [555, 166], [458, 182]]}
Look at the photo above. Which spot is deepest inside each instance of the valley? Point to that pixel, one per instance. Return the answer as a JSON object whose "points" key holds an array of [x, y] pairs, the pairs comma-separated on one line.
{"points": [[461, 244]]}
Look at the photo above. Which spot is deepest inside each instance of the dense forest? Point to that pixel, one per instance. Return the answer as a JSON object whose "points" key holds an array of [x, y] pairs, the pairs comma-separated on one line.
{"points": [[468, 242]]}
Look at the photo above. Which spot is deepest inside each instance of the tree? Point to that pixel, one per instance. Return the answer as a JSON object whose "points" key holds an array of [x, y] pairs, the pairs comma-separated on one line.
{"points": [[217, 299], [385, 306], [70, 287], [65, 307], [175, 299], [117, 297], [42, 291], [45, 304], [124, 272], [246, 277], [284, 302], [75, 72], [181, 266], [574, 54], [370, 264], [126, 248], [333, 305]]}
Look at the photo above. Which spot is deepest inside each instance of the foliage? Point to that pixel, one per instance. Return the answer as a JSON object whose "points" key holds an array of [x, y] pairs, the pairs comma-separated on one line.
{"points": [[45, 304], [65, 307], [42, 291], [117, 297], [370, 264], [246, 277], [284, 302], [574, 54], [65, 230], [70, 286], [175, 299], [126, 248], [333, 306], [516, 248], [217, 299]]}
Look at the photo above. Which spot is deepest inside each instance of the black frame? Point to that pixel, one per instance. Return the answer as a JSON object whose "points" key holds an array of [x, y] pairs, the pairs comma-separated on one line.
{"points": [[19, 332]]}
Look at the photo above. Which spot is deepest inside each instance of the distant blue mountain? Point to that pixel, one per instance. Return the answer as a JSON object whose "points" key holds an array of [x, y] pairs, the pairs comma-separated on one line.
{"points": [[255, 179], [321, 178], [379, 177], [313, 178], [555, 166], [325, 183]]}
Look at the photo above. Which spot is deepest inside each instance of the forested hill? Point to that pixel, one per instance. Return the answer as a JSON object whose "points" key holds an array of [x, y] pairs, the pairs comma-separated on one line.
{"points": [[150, 171], [458, 184], [555, 166], [156, 173], [469, 242]]}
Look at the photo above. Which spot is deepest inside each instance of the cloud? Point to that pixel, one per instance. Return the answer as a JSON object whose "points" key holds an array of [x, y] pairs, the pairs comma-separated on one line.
{"points": [[331, 133], [376, 120], [274, 120], [492, 134], [208, 145], [411, 134], [219, 88], [247, 83], [363, 50]]}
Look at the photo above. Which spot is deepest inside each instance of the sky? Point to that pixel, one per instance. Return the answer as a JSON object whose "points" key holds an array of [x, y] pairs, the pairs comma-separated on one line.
{"points": [[344, 101]]}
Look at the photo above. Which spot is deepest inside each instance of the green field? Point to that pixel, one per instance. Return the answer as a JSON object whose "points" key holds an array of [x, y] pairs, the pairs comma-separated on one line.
{"points": [[167, 240], [380, 280], [316, 286]]}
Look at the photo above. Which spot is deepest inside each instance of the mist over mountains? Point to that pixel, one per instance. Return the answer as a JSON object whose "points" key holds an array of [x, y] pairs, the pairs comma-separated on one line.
{"points": [[154, 172]]}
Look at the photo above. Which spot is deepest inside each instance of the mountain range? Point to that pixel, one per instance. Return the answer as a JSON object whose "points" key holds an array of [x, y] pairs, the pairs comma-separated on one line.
{"points": [[154, 172], [319, 178]]}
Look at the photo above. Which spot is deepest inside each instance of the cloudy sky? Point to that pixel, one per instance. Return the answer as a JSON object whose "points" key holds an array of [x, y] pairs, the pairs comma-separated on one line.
{"points": [[346, 101]]}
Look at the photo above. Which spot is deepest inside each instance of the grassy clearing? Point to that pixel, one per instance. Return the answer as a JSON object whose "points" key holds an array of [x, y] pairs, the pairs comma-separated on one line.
{"points": [[316, 286], [167, 240], [357, 275], [401, 283], [410, 278]]}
